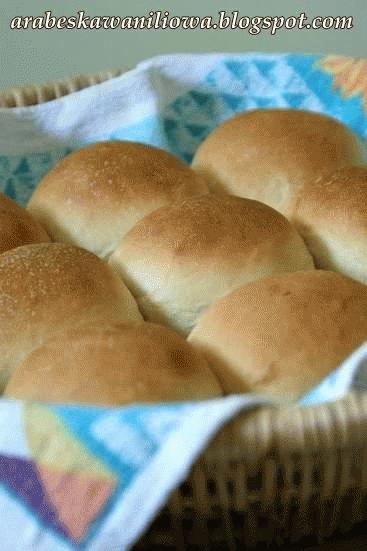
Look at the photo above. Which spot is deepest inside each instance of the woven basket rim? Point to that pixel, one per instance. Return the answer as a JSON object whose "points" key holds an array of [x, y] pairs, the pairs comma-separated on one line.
{"points": [[294, 429], [36, 94]]}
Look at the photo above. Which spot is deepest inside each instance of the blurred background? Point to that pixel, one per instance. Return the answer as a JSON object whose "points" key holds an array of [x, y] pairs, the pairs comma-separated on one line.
{"points": [[35, 56]]}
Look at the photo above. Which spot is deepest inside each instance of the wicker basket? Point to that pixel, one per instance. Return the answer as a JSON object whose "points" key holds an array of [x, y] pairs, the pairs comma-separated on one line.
{"points": [[34, 94], [270, 475]]}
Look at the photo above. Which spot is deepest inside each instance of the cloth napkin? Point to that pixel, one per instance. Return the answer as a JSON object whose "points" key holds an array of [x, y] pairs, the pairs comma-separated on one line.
{"points": [[78, 477]]}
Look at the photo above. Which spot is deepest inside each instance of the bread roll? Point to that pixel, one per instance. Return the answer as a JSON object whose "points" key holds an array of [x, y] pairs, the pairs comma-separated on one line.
{"points": [[119, 364], [17, 226], [331, 215], [281, 335], [181, 258], [93, 196], [267, 154], [47, 287]]}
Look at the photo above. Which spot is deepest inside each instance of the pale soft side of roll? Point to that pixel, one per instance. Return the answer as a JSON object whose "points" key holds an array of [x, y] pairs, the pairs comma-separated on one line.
{"points": [[17, 226], [181, 258], [113, 365], [281, 335], [48, 287], [92, 197], [331, 215], [267, 154]]}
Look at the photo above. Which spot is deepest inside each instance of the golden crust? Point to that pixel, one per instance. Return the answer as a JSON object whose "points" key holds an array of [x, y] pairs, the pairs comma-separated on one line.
{"points": [[182, 257], [267, 154], [116, 181], [331, 215], [47, 287], [281, 335], [212, 227], [17, 226], [114, 365]]}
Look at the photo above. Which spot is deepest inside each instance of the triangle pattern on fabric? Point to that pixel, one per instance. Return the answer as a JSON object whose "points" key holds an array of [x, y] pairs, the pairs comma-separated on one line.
{"points": [[258, 84], [64, 452], [22, 168], [197, 130], [297, 100], [10, 189], [238, 69], [21, 477], [262, 102], [77, 498], [233, 102], [199, 97], [265, 68]]}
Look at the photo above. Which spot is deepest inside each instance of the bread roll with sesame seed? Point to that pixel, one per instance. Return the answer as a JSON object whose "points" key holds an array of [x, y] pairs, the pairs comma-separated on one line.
{"points": [[114, 364], [48, 287], [92, 197], [17, 226], [181, 258]]}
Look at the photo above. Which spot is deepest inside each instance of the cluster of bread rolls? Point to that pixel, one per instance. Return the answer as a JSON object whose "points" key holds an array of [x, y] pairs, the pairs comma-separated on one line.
{"points": [[133, 277]]}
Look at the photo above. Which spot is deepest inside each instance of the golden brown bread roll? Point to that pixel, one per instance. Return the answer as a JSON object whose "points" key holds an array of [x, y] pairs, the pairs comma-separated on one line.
{"points": [[331, 215], [92, 197], [48, 287], [182, 257], [281, 335], [267, 154], [113, 365], [17, 226]]}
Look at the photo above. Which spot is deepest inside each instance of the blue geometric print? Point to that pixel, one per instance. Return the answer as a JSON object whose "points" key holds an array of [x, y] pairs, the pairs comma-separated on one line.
{"points": [[126, 437], [233, 85], [20, 174]]}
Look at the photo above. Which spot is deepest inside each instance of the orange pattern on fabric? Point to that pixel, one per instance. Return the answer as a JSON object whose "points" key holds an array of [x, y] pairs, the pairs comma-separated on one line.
{"points": [[77, 499], [350, 75]]}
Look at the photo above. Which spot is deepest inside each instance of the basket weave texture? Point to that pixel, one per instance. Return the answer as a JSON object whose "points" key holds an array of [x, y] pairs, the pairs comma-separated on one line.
{"points": [[271, 475], [35, 94]]}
